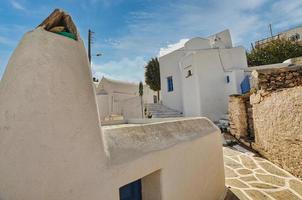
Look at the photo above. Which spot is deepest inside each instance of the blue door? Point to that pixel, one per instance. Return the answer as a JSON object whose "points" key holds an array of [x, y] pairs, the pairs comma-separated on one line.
{"points": [[245, 85], [131, 191]]}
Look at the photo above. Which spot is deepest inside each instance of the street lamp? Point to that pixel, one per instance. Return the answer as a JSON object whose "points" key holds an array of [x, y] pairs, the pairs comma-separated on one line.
{"points": [[98, 54]]}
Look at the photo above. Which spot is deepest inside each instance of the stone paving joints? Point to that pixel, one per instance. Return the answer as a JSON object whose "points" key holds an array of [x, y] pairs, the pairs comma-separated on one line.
{"points": [[242, 172]]}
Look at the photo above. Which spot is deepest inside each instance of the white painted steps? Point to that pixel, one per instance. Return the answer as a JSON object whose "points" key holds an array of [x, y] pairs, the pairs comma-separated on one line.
{"points": [[161, 111]]}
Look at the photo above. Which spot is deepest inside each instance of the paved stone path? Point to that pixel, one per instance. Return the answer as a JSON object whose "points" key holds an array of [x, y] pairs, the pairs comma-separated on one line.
{"points": [[253, 178]]}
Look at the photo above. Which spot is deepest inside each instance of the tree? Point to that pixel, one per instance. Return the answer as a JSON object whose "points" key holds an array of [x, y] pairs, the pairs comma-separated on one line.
{"points": [[276, 51], [152, 75], [141, 93], [141, 89]]}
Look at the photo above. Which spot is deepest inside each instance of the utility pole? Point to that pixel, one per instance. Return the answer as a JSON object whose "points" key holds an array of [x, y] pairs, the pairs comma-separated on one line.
{"points": [[270, 30], [252, 45], [89, 44]]}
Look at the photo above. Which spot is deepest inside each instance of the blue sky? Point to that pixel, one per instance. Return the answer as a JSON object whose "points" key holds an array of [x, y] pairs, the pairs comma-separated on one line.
{"points": [[129, 32]]}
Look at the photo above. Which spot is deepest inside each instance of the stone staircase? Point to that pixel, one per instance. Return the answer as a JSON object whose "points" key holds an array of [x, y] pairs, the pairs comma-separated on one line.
{"points": [[161, 111]]}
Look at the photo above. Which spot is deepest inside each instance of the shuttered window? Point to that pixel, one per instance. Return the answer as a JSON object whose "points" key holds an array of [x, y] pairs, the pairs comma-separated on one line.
{"points": [[170, 83]]}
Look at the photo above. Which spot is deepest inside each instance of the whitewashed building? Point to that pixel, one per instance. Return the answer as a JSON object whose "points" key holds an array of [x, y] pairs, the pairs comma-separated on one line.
{"points": [[121, 99], [197, 78], [53, 146], [293, 34]]}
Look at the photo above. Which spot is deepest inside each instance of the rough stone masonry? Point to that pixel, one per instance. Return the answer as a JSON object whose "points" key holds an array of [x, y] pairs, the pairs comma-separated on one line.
{"points": [[277, 114], [274, 79], [238, 116]]}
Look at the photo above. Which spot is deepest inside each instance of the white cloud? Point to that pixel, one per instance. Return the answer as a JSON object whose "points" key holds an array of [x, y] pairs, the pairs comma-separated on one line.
{"points": [[131, 70], [286, 14], [17, 5], [7, 41], [172, 47], [148, 32]]}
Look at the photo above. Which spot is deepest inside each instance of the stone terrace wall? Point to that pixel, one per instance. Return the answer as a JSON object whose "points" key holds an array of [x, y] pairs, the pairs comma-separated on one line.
{"points": [[277, 115], [274, 79], [238, 116], [278, 128], [241, 116]]}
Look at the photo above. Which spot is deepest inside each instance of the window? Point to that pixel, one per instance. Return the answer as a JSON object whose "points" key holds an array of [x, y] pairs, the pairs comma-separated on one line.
{"points": [[189, 73], [228, 79], [294, 38], [170, 83]]}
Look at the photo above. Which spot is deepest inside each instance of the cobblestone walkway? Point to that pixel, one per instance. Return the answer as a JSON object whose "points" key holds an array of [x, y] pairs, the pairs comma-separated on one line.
{"points": [[254, 178]]}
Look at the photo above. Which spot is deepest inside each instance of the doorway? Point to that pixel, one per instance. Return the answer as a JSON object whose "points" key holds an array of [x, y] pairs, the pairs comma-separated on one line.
{"points": [[146, 188], [131, 191], [154, 99]]}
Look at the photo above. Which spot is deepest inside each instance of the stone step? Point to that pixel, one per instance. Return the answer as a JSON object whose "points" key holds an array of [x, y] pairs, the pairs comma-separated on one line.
{"points": [[161, 111], [166, 116], [165, 112]]}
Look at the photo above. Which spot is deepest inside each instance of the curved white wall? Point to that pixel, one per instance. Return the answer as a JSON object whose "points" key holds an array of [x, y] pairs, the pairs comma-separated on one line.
{"points": [[197, 44], [52, 146]]}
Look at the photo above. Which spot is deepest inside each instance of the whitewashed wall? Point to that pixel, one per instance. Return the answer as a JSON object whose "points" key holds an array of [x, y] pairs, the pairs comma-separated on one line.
{"points": [[131, 108], [206, 92], [190, 87], [52, 145], [103, 106], [116, 93], [234, 58], [169, 66], [211, 84]]}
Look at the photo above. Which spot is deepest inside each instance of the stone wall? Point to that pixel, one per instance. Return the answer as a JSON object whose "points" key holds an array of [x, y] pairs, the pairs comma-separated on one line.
{"points": [[238, 116], [277, 122], [250, 120], [277, 112], [273, 114], [278, 78]]}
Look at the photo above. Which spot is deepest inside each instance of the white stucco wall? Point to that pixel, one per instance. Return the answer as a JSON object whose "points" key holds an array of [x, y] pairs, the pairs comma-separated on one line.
{"points": [[149, 94], [49, 122], [190, 87], [197, 43], [103, 106], [169, 66], [235, 77], [222, 39], [52, 146], [234, 58], [132, 108], [212, 81], [118, 92], [206, 92], [186, 163]]}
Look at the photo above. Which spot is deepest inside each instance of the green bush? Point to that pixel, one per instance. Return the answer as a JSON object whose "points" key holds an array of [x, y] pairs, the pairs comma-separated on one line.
{"points": [[275, 51]]}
